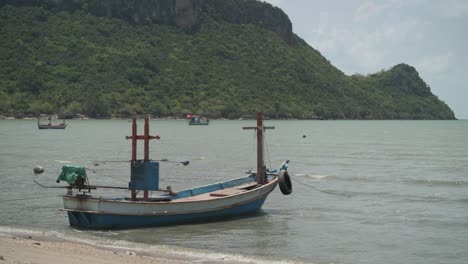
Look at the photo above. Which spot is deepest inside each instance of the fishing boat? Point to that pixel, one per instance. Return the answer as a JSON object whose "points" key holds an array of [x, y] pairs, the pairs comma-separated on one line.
{"points": [[195, 120], [156, 206], [49, 125]]}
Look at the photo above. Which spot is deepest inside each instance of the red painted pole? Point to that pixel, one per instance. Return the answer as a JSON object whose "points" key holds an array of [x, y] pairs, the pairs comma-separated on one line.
{"points": [[260, 170], [134, 149], [134, 139], [146, 138], [146, 147]]}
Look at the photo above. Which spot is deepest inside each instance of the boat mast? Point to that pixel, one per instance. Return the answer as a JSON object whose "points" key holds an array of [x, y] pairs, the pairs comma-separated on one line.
{"points": [[146, 138], [261, 169]]}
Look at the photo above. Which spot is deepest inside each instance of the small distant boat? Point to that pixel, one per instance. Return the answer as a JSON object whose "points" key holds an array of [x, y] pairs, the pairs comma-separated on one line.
{"points": [[49, 125], [215, 201], [198, 120]]}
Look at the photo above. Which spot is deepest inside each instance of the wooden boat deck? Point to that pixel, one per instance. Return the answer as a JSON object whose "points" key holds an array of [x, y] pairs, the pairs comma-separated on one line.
{"points": [[219, 193]]}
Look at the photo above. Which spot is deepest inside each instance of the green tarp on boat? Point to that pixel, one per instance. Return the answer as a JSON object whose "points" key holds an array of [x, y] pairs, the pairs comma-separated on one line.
{"points": [[73, 175]]}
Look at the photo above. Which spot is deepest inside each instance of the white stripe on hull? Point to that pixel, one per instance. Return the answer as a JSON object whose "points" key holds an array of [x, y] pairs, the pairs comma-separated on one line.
{"points": [[176, 206]]}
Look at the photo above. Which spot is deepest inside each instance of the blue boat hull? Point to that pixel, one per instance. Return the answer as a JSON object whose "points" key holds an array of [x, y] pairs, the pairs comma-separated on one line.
{"points": [[97, 220]]}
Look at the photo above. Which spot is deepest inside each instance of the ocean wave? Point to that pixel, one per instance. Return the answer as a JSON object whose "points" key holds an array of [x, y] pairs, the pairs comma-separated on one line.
{"points": [[438, 182], [316, 176], [430, 182], [344, 178], [62, 161], [435, 199], [339, 178], [21, 232], [96, 239], [405, 198]]}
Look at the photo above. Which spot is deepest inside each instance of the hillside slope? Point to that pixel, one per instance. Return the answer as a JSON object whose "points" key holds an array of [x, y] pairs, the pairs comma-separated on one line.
{"points": [[173, 57]]}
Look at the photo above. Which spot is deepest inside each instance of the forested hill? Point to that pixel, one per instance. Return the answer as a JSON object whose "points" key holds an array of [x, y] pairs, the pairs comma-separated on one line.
{"points": [[226, 58]]}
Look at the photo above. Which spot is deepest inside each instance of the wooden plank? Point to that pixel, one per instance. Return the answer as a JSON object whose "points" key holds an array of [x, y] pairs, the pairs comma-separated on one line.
{"points": [[227, 192], [234, 190], [247, 185], [219, 193]]}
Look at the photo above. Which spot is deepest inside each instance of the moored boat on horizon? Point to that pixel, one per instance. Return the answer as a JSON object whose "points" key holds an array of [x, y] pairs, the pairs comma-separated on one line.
{"points": [[195, 120], [49, 125]]}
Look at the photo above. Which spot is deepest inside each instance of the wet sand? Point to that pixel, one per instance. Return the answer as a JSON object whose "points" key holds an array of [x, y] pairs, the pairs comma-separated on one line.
{"points": [[29, 250]]}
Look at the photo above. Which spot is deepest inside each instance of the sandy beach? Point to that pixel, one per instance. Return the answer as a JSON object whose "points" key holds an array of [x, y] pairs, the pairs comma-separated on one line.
{"points": [[25, 249], [28, 250]]}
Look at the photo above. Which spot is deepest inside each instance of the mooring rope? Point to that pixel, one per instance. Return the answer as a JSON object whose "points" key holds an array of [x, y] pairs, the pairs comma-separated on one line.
{"points": [[267, 153], [105, 175], [97, 162], [265, 143], [312, 187], [28, 198]]}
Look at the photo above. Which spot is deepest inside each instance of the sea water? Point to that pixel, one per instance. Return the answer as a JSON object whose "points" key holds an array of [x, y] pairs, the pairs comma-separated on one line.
{"points": [[363, 191]]}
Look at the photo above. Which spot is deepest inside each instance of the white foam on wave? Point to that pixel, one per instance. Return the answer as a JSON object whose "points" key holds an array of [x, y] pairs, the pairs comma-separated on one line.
{"points": [[12, 231], [318, 177], [180, 252], [314, 176], [194, 255], [62, 161], [205, 256]]}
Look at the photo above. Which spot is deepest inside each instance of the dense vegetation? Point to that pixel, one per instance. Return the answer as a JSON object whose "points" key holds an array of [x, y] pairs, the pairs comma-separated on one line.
{"points": [[227, 62]]}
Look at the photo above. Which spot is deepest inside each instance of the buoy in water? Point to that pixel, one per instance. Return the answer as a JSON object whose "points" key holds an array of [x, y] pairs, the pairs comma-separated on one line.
{"points": [[38, 169], [303, 136]]}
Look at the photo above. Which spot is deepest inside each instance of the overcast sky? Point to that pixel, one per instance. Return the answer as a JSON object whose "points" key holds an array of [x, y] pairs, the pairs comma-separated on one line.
{"points": [[366, 36]]}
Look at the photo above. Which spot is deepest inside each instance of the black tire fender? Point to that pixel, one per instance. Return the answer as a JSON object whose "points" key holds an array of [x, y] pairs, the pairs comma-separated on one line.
{"points": [[284, 182]]}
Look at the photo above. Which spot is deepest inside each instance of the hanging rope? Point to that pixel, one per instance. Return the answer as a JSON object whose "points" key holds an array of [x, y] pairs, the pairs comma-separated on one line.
{"points": [[105, 175], [312, 187], [267, 153], [254, 142], [28, 198], [266, 147], [96, 163]]}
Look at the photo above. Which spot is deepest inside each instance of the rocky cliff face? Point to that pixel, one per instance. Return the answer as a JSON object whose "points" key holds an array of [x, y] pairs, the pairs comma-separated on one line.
{"points": [[182, 13], [186, 12]]}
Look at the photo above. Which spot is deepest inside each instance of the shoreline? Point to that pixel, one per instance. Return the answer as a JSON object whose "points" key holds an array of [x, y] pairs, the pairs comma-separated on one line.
{"points": [[241, 118], [90, 118], [26, 246], [40, 250], [31, 250]]}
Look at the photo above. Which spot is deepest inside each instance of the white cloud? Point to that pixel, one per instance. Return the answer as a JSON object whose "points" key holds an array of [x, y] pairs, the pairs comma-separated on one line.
{"points": [[321, 27], [358, 47], [435, 64], [453, 8], [369, 50], [369, 9], [366, 50], [373, 8]]}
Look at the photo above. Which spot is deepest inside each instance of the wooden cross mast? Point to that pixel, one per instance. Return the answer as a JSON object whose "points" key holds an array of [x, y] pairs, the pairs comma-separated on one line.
{"points": [[146, 138], [261, 169]]}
